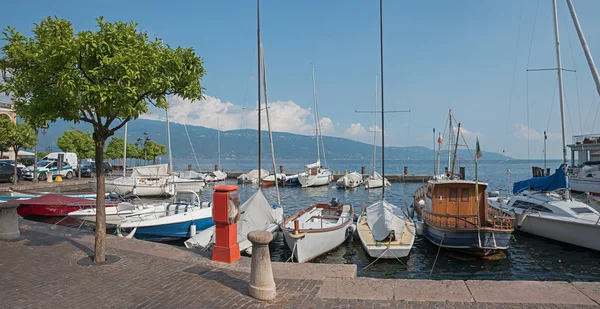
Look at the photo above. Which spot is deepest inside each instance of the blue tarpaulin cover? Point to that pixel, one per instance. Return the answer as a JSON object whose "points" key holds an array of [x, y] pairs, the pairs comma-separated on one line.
{"points": [[556, 181]]}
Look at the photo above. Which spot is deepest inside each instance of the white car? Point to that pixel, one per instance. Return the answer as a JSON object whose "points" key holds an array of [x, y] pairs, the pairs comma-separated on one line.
{"points": [[44, 167]]}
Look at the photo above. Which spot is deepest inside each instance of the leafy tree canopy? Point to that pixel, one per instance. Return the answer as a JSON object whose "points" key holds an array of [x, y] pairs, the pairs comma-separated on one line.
{"points": [[114, 149], [77, 141], [154, 149], [17, 136]]}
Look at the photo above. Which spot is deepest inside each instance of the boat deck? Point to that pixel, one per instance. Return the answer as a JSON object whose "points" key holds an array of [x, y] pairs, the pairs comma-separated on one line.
{"points": [[405, 240]]}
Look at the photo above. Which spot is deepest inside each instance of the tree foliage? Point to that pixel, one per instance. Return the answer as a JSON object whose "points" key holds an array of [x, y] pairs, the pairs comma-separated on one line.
{"points": [[104, 77], [17, 136], [79, 142], [114, 149], [153, 149]]}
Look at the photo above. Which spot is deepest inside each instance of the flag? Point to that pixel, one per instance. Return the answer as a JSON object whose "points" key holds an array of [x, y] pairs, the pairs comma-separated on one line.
{"points": [[478, 153], [441, 139], [509, 171]]}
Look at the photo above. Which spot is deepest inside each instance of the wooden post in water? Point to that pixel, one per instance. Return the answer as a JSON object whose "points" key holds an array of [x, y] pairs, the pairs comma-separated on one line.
{"points": [[363, 170], [281, 169], [216, 167], [462, 172], [189, 167], [406, 170], [547, 171], [446, 170]]}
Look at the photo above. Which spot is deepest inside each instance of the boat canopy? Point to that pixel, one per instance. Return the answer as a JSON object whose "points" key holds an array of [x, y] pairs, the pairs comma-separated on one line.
{"points": [[556, 181], [150, 170], [316, 164], [256, 214], [385, 220], [52, 200]]}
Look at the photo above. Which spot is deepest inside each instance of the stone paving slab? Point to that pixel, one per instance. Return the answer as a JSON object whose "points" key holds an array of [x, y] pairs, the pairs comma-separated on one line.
{"points": [[358, 288], [540, 292], [590, 289]]}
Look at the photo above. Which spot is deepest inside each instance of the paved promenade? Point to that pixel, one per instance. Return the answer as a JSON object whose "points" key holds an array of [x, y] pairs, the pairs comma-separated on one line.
{"points": [[40, 271]]}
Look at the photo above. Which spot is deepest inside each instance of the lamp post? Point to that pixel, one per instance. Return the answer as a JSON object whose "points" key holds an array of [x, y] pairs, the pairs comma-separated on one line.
{"points": [[43, 129], [138, 143], [146, 139]]}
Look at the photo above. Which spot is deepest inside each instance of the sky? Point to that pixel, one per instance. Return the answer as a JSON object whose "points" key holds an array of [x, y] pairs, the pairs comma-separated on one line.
{"points": [[470, 56]]}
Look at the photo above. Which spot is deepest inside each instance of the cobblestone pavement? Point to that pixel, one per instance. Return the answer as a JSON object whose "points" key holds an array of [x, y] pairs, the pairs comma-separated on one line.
{"points": [[41, 271]]}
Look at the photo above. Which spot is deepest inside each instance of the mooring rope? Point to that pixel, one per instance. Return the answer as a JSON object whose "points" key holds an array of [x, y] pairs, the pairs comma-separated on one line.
{"points": [[436, 256]]}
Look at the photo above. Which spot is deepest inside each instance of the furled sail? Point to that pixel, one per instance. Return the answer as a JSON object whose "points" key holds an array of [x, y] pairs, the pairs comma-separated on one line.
{"points": [[256, 214], [385, 221], [556, 181], [316, 164]]}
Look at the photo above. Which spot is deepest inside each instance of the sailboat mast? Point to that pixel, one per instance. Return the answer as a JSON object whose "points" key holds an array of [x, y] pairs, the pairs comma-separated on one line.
{"points": [[316, 116], [560, 83], [584, 45], [170, 166], [219, 143], [375, 128], [258, 83], [450, 137], [455, 150], [382, 106]]}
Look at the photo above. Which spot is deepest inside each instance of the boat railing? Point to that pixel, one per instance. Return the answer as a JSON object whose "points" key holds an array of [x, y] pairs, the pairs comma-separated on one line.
{"points": [[500, 219], [449, 221]]}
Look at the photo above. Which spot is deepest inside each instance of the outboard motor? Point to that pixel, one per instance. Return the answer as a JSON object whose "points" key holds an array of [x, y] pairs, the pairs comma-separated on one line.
{"points": [[334, 202]]}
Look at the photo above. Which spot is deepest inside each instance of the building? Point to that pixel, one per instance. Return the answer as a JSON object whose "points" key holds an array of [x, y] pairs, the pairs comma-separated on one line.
{"points": [[585, 148]]}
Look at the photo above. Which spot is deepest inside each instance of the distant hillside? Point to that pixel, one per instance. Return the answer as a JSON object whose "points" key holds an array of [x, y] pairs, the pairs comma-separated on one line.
{"points": [[241, 144]]}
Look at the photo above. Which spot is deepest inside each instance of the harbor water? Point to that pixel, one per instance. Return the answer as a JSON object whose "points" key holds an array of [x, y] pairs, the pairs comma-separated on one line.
{"points": [[529, 257]]}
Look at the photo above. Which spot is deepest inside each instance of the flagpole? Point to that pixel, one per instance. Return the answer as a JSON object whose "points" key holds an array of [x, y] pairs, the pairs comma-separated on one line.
{"points": [[477, 152]]}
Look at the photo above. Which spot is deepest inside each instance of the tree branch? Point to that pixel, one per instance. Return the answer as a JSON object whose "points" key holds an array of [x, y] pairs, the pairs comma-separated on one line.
{"points": [[80, 65], [119, 126]]}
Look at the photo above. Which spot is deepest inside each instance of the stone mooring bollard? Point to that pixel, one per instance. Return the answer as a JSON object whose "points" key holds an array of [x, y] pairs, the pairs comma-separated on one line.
{"points": [[9, 221], [262, 285]]}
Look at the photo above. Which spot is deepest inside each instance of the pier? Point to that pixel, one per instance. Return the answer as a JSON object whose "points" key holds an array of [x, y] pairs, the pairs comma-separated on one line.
{"points": [[41, 270]]}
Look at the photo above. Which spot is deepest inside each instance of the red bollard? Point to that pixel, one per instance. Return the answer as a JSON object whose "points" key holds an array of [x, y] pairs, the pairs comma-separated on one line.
{"points": [[226, 247]]}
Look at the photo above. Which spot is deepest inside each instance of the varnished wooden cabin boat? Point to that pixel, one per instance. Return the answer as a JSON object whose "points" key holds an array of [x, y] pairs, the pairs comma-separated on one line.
{"points": [[455, 220]]}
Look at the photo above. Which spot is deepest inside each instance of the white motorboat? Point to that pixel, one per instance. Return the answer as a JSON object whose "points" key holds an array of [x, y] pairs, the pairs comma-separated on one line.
{"points": [[114, 214], [349, 181], [270, 180], [554, 216], [376, 181], [317, 229], [586, 178], [252, 177], [182, 218], [215, 176], [385, 232]]}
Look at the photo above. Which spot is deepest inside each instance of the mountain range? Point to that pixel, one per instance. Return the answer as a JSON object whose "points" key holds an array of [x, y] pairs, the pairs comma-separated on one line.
{"points": [[242, 144]]}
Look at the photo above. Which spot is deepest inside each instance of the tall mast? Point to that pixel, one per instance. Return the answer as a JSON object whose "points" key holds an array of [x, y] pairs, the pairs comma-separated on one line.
{"points": [[219, 143], [170, 166], [450, 137], [316, 116], [455, 150], [434, 156], [560, 83], [258, 83], [382, 106], [375, 128], [584, 45]]}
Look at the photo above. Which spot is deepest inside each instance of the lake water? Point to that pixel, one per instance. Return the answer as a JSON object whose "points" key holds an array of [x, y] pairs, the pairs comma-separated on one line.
{"points": [[529, 257]]}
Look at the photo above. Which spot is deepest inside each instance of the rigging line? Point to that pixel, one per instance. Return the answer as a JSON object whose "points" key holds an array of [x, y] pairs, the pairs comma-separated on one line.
{"points": [[246, 91], [589, 112], [552, 105], [573, 62], [192, 146], [576, 79], [594, 123], [527, 75], [512, 82], [527, 101]]}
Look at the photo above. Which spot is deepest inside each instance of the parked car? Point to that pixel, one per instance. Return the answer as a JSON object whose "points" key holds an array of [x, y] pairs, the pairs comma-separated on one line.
{"points": [[49, 166], [69, 157], [20, 166], [89, 169], [7, 172]]}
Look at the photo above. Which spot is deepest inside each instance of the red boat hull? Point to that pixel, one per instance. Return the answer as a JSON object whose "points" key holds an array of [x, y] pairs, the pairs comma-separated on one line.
{"points": [[49, 211]]}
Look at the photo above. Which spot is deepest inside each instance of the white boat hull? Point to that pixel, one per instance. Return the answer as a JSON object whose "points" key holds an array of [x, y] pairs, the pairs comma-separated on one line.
{"points": [[581, 234], [389, 251], [313, 180], [585, 185], [314, 244], [375, 183]]}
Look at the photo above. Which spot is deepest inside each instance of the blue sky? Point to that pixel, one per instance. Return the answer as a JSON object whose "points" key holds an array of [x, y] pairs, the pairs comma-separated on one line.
{"points": [[438, 55]]}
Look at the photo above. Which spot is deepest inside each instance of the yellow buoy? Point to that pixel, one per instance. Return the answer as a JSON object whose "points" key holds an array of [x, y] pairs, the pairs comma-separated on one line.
{"points": [[58, 179]]}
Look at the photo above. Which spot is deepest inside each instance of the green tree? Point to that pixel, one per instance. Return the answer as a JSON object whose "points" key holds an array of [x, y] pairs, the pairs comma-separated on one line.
{"points": [[104, 77], [114, 149], [153, 149], [17, 136], [79, 142]]}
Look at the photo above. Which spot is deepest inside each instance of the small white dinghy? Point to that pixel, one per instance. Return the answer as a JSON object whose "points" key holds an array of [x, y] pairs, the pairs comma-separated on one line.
{"points": [[318, 229], [252, 176], [384, 231], [114, 214], [376, 181], [349, 181]]}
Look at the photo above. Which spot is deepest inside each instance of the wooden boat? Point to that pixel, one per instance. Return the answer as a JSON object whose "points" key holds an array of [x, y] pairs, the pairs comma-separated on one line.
{"points": [[318, 229], [53, 205], [385, 232], [454, 219]]}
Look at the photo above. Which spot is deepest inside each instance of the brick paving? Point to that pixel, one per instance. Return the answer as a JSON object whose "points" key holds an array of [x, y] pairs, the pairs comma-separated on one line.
{"points": [[40, 271]]}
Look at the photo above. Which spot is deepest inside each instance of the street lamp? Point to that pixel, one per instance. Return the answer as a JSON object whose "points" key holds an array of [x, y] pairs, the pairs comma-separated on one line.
{"points": [[138, 143], [145, 143], [43, 129]]}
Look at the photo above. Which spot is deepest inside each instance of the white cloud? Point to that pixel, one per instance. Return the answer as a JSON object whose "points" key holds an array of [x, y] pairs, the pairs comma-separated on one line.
{"points": [[356, 130], [327, 127], [522, 132]]}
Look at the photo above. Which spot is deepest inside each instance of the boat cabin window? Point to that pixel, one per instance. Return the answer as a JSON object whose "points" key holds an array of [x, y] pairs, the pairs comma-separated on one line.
{"points": [[453, 195], [532, 206], [186, 198], [313, 171], [465, 195], [582, 210], [429, 191]]}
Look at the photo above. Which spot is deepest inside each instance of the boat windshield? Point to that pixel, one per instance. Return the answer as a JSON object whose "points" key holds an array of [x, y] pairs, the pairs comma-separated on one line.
{"points": [[186, 198]]}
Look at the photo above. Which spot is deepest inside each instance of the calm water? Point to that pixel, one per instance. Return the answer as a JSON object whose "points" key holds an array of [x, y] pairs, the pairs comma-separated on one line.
{"points": [[529, 258]]}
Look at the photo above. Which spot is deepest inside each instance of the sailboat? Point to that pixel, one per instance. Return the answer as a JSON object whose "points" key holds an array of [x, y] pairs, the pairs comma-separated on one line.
{"points": [[384, 231], [217, 174], [316, 174], [543, 205], [256, 213], [375, 180]]}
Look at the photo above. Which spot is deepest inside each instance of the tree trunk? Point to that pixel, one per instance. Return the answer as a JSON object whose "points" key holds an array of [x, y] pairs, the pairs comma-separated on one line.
{"points": [[79, 168], [100, 240], [16, 175]]}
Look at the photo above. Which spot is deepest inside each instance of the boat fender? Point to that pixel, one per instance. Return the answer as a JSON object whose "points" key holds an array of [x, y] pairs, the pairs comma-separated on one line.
{"points": [[411, 211], [419, 227], [275, 206], [193, 229], [351, 228]]}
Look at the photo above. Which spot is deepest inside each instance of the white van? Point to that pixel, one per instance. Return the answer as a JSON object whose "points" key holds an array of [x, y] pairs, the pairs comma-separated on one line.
{"points": [[69, 157]]}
